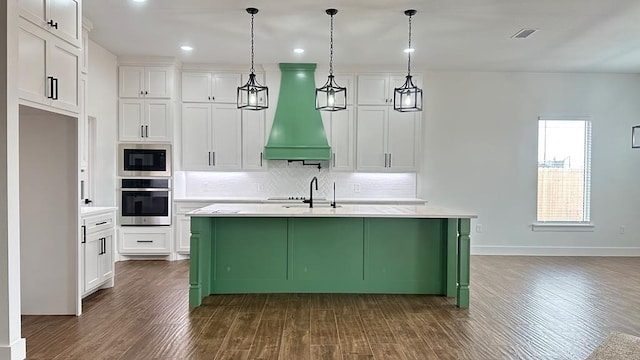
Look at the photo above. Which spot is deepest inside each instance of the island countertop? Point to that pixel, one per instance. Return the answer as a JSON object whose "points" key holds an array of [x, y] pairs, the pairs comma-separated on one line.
{"points": [[303, 210]]}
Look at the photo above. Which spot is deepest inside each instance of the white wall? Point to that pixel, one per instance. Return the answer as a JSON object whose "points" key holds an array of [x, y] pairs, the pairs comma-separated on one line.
{"points": [[480, 153], [103, 105], [49, 219]]}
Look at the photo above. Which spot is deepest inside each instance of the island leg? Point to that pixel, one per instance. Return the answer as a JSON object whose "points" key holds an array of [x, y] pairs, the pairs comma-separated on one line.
{"points": [[464, 249], [195, 281], [451, 235]]}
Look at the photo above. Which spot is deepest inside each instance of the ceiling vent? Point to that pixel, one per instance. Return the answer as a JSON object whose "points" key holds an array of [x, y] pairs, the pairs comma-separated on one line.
{"points": [[524, 33]]}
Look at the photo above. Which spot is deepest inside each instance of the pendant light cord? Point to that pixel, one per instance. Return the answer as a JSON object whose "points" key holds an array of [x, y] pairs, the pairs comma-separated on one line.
{"points": [[252, 70], [409, 52], [331, 52]]}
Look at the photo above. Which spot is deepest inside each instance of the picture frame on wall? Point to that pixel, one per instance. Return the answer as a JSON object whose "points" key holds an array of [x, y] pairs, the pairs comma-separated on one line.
{"points": [[635, 137]]}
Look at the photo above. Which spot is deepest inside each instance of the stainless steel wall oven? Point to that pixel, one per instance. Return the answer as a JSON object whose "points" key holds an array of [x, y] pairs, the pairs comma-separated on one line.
{"points": [[145, 201], [144, 160]]}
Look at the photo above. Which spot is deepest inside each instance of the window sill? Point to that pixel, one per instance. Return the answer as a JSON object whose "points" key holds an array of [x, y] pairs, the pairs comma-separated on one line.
{"points": [[563, 227]]}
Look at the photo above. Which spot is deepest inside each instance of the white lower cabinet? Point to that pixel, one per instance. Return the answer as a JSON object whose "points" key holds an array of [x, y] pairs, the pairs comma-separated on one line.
{"points": [[97, 260], [145, 240], [183, 224]]}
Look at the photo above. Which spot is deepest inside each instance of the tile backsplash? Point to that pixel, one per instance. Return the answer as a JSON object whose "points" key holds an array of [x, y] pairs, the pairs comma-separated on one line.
{"points": [[283, 179]]}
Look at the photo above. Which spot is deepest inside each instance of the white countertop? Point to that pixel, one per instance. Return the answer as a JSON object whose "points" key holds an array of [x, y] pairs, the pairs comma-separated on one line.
{"points": [[91, 210], [253, 200], [303, 210]]}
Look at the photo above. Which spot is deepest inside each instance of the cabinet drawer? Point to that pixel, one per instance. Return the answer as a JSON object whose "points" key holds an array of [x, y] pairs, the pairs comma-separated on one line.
{"points": [[99, 222], [145, 240]]}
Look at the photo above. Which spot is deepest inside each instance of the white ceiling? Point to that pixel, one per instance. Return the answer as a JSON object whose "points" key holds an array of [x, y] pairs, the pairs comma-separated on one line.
{"points": [[575, 35]]}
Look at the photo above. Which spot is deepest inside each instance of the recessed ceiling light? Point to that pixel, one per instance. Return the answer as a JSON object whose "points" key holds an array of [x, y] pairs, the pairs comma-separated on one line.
{"points": [[298, 51], [186, 47], [409, 50]]}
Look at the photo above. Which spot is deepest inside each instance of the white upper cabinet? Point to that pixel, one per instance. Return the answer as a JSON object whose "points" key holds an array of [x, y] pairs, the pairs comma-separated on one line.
{"points": [[145, 82], [63, 18], [144, 120], [48, 69], [374, 90], [342, 139], [387, 140], [211, 137], [210, 87], [253, 136]]}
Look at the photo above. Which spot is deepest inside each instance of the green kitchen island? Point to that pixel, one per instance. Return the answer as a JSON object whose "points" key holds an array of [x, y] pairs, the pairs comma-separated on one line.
{"points": [[275, 248]]}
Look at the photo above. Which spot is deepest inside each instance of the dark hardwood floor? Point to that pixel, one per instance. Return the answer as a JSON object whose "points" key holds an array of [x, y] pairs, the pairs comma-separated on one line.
{"points": [[521, 308]]}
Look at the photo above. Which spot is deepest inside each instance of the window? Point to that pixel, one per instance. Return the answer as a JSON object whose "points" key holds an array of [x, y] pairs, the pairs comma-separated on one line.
{"points": [[564, 170]]}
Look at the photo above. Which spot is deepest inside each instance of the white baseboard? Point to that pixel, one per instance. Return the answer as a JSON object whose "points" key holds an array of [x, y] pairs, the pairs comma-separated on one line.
{"points": [[15, 351], [554, 251]]}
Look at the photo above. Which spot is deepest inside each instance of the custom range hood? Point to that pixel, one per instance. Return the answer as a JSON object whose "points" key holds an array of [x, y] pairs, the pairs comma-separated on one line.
{"points": [[297, 132]]}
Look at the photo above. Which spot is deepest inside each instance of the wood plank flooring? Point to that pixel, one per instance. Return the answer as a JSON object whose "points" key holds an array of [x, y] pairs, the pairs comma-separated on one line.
{"points": [[521, 308]]}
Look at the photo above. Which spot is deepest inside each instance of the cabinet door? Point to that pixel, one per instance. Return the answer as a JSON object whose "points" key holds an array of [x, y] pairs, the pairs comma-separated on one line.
{"points": [[226, 132], [253, 140], [371, 138], [196, 87], [183, 232], [157, 120], [342, 139], [106, 258], [91, 261], [158, 82], [32, 70], [64, 65], [196, 137], [68, 15], [403, 135], [130, 120], [224, 88], [34, 11], [131, 82], [372, 90]]}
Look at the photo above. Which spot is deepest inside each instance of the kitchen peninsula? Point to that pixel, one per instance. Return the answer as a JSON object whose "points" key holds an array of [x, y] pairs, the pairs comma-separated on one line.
{"points": [[257, 248]]}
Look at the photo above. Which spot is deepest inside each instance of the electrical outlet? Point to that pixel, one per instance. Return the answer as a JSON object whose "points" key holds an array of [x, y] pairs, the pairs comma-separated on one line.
{"points": [[622, 229], [356, 188], [478, 228]]}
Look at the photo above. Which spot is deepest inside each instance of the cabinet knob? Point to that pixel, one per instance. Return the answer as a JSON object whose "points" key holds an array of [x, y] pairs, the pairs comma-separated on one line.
{"points": [[146, 93]]}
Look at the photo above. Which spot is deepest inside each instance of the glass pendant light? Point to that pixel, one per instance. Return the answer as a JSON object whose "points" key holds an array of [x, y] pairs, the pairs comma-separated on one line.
{"points": [[331, 97], [408, 97], [252, 95]]}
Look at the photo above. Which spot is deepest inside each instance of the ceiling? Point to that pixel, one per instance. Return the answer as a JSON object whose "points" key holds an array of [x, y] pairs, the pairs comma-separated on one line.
{"points": [[574, 35]]}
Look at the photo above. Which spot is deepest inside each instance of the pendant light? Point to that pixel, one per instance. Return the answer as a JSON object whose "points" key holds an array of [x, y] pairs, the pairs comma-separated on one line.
{"points": [[331, 97], [408, 97], [252, 95]]}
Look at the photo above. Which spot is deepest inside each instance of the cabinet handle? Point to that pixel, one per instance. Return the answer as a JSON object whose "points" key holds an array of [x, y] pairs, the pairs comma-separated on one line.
{"points": [[141, 131], [84, 234], [334, 159], [55, 96], [104, 246], [385, 159], [208, 97], [146, 128], [50, 78], [209, 158], [144, 241], [261, 159], [146, 93], [214, 158], [213, 98], [101, 223], [389, 159], [141, 92], [53, 24]]}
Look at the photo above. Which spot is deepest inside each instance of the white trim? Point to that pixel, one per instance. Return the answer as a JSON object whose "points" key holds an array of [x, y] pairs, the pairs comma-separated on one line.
{"points": [[16, 351], [554, 251], [565, 117], [563, 227]]}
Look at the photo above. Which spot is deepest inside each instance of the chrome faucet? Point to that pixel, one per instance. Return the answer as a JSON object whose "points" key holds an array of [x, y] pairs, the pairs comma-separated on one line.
{"points": [[315, 179]]}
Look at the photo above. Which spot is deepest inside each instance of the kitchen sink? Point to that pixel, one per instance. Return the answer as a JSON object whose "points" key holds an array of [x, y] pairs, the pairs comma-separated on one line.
{"points": [[288, 206]]}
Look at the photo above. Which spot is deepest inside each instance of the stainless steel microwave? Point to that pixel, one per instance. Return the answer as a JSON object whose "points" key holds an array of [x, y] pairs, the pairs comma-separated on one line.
{"points": [[144, 160]]}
